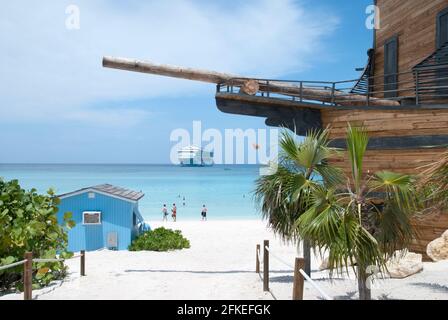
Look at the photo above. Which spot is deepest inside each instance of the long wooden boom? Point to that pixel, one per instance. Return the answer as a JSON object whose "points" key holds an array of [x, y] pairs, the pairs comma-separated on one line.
{"points": [[248, 85]]}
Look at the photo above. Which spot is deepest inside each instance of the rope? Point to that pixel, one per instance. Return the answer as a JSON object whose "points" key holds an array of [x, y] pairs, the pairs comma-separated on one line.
{"points": [[280, 259], [326, 296], [74, 257], [259, 258], [12, 265], [303, 273], [37, 261], [48, 260]]}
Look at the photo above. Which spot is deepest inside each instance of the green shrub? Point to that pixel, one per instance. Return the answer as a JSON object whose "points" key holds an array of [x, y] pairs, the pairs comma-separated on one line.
{"points": [[160, 239], [28, 223]]}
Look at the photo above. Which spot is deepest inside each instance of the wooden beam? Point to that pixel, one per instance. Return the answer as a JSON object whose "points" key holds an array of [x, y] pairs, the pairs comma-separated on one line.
{"points": [[167, 70], [265, 265], [299, 280], [288, 88], [28, 276], [399, 143]]}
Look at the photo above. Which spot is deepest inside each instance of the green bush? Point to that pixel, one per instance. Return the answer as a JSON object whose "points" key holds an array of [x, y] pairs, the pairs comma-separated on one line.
{"points": [[28, 223], [160, 239]]}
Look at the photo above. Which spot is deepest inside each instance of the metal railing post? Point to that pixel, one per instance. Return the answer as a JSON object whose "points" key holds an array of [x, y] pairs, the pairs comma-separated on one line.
{"points": [[333, 89], [266, 265], [267, 86], [301, 91], [28, 276]]}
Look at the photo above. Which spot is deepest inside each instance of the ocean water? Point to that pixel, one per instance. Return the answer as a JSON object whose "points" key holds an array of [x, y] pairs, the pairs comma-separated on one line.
{"points": [[227, 191]]}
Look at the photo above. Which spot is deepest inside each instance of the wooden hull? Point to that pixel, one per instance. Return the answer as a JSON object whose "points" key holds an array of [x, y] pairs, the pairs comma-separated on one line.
{"points": [[401, 140], [416, 139], [429, 228]]}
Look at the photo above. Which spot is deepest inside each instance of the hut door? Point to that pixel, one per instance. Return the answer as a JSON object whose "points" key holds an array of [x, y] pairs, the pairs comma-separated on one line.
{"points": [[94, 237], [391, 68]]}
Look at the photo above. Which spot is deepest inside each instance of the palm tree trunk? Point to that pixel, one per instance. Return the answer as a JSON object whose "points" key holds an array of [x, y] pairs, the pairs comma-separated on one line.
{"points": [[364, 292], [307, 256]]}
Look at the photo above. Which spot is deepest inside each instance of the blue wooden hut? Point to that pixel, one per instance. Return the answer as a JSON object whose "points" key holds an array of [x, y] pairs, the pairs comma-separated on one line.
{"points": [[106, 217]]}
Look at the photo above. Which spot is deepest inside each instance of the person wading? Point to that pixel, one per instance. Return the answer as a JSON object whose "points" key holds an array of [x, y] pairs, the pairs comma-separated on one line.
{"points": [[174, 212], [165, 213], [204, 213]]}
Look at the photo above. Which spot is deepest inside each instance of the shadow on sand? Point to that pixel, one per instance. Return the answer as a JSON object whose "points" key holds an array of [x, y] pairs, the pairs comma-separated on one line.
{"points": [[205, 272]]}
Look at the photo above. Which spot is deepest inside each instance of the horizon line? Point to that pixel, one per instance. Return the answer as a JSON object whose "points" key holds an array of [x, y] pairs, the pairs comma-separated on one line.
{"points": [[130, 163]]}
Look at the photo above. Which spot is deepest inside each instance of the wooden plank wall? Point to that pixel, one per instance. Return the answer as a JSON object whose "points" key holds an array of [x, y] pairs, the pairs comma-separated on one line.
{"points": [[391, 123], [406, 161], [429, 228], [414, 22], [395, 123]]}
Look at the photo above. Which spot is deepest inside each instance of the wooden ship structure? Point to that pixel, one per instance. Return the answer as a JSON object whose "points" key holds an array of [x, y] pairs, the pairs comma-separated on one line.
{"points": [[401, 97]]}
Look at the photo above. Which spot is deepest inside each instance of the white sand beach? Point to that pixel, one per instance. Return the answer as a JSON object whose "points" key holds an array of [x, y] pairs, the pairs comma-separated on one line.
{"points": [[219, 265]]}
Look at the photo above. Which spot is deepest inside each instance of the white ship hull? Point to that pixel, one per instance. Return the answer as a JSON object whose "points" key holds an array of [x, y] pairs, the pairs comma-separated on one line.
{"points": [[195, 157]]}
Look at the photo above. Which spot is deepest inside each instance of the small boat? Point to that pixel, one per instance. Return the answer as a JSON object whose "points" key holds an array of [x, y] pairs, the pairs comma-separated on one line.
{"points": [[193, 156]]}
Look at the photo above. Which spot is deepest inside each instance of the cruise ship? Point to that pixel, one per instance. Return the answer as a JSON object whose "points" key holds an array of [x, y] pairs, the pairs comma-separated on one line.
{"points": [[193, 156]]}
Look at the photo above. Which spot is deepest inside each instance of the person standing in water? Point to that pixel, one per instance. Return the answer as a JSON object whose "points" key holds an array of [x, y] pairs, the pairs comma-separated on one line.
{"points": [[174, 212], [204, 213], [165, 213]]}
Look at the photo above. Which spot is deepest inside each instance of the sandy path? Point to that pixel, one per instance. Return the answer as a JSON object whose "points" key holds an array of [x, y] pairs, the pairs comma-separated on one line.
{"points": [[219, 265]]}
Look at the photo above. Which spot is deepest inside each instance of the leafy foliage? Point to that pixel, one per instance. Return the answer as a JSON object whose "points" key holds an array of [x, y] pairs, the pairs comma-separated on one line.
{"points": [[286, 194], [29, 224], [160, 239], [360, 219], [433, 186], [366, 222]]}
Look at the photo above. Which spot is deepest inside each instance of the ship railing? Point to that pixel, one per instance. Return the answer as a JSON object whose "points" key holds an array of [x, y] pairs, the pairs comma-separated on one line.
{"points": [[424, 85]]}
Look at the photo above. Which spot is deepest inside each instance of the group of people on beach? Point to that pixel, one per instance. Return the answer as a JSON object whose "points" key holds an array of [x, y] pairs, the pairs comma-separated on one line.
{"points": [[174, 213]]}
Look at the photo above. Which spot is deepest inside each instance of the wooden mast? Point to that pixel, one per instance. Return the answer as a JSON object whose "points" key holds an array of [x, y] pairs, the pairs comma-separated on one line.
{"points": [[248, 85]]}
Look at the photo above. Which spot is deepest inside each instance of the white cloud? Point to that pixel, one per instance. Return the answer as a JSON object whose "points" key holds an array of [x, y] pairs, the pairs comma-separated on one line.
{"points": [[51, 73]]}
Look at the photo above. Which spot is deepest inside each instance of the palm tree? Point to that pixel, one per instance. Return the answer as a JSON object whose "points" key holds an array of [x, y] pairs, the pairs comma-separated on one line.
{"points": [[286, 194], [366, 222]]}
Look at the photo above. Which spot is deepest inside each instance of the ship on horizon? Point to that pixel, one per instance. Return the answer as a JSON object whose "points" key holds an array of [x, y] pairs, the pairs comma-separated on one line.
{"points": [[194, 156]]}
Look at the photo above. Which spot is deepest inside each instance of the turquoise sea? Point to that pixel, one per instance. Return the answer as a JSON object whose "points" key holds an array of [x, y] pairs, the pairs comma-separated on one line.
{"points": [[225, 190]]}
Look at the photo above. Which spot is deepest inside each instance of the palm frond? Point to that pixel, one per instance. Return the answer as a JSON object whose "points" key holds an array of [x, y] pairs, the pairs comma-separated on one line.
{"points": [[433, 184], [312, 151], [331, 176], [277, 199], [286, 194], [357, 141]]}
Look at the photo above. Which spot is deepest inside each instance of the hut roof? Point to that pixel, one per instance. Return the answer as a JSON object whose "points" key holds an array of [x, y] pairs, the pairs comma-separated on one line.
{"points": [[108, 189]]}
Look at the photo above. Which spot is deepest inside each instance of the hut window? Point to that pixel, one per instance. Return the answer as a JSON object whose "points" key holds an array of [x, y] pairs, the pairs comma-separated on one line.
{"points": [[91, 217], [391, 67], [442, 28], [442, 40], [91, 195]]}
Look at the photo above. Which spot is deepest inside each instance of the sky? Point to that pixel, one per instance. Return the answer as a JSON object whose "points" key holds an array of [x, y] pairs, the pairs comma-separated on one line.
{"points": [[59, 105]]}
